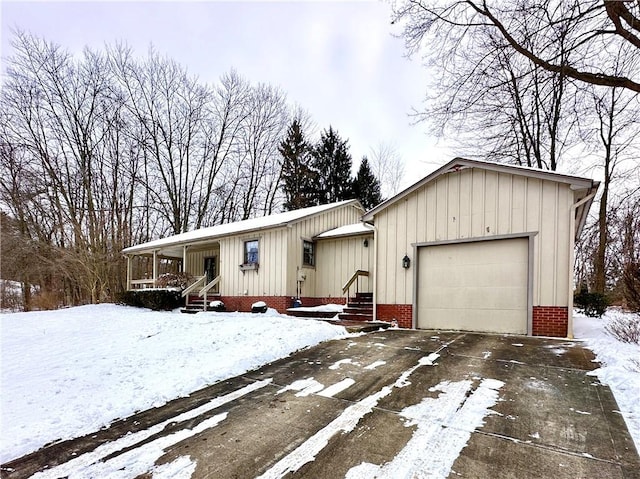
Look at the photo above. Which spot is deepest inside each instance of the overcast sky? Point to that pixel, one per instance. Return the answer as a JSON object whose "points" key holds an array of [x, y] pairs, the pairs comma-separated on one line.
{"points": [[337, 60]]}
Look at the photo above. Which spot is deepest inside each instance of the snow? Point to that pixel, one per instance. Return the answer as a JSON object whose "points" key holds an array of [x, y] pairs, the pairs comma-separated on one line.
{"points": [[270, 221], [55, 363], [324, 308], [620, 365], [347, 230]]}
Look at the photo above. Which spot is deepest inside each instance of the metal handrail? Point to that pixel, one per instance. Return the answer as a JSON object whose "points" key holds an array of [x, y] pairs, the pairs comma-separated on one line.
{"points": [[354, 277], [193, 285]]}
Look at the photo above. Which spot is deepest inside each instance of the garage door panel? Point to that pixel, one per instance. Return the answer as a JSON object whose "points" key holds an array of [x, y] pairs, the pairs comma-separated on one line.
{"points": [[478, 286]]}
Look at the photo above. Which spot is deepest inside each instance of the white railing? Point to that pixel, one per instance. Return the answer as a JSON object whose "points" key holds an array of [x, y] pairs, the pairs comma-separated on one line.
{"points": [[142, 283], [193, 286], [203, 292]]}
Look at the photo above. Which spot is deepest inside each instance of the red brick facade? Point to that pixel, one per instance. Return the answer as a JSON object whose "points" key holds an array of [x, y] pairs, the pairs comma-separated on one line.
{"points": [[279, 303], [403, 313], [550, 321]]}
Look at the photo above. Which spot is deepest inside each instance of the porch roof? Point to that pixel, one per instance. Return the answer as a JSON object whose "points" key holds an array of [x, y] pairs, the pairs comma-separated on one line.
{"points": [[172, 245], [355, 229]]}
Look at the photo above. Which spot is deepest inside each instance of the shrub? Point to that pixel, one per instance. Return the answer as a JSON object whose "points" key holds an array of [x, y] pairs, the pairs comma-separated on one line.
{"points": [[625, 328], [174, 280], [155, 299], [593, 305], [631, 286]]}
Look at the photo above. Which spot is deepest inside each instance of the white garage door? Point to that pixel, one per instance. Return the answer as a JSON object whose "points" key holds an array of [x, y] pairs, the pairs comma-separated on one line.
{"points": [[479, 286]]}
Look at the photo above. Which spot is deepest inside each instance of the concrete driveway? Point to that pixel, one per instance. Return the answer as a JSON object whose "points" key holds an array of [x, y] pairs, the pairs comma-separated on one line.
{"points": [[395, 403]]}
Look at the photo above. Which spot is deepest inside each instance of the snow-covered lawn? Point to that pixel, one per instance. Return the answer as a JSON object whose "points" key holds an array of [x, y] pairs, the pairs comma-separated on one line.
{"points": [[620, 362], [70, 372]]}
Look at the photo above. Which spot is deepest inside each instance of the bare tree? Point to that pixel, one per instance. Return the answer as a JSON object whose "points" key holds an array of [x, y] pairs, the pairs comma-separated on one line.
{"points": [[595, 32], [388, 167]]}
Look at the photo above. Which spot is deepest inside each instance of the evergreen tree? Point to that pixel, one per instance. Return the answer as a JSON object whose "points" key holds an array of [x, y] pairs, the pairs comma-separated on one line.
{"points": [[366, 187], [299, 180], [332, 161]]}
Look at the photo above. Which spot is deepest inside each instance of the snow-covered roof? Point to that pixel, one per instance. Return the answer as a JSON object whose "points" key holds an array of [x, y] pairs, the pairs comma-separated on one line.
{"points": [[347, 230], [229, 229]]}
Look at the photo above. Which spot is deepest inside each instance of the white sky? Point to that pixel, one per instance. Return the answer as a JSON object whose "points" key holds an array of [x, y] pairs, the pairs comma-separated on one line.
{"points": [[337, 60]]}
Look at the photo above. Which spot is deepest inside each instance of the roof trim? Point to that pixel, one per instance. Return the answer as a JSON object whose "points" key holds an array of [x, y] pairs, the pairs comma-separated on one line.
{"points": [[203, 235], [458, 164]]}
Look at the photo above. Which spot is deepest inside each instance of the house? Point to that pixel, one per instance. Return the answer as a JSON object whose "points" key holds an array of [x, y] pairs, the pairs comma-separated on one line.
{"points": [[275, 258], [481, 246], [474, 246]]}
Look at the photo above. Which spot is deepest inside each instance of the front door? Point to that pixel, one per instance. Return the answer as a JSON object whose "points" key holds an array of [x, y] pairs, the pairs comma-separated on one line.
{"points": [[211, 268]]}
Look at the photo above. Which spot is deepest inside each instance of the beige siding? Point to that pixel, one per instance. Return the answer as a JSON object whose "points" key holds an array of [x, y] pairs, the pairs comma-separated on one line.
{"points": [[280, 256], [476, 203], [307, 230], [339, 259], [195, 259]]}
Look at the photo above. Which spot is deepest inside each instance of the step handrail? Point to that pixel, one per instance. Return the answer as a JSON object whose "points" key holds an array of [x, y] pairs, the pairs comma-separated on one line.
{"points": [[210, 285], [354, 277], [193, 285]]}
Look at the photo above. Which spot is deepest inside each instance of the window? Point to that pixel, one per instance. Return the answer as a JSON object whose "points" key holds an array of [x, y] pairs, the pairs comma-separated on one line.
{"points": [[251, 252], [308, 253]]}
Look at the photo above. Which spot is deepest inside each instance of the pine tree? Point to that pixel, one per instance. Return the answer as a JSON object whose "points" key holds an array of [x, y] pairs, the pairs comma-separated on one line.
{"points": [[332, 161], [366, 187], [299, 180]]}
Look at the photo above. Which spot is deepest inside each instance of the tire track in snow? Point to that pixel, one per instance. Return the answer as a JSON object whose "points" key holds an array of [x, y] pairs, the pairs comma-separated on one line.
{"points": [[139, 453], [344, 423]]}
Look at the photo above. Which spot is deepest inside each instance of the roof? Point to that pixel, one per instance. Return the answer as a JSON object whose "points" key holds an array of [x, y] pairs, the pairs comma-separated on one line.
{"points": [[230, 229], [458, 164], [347, 230]]}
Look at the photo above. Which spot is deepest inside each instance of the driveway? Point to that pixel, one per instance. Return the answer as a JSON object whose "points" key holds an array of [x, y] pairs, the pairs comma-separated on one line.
{"points": [[395, 403]]}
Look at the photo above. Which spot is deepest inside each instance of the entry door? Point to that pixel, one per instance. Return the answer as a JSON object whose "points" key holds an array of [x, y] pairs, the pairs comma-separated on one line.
{"points": [[480, 286], [211, 268]]}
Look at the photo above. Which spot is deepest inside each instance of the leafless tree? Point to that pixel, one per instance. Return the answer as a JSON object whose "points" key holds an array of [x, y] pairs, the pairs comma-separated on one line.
{"points": [[388, 168], [595, 31]]}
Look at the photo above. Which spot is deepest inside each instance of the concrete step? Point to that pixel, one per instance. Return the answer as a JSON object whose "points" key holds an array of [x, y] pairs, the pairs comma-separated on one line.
{"points": [[355, 317]]}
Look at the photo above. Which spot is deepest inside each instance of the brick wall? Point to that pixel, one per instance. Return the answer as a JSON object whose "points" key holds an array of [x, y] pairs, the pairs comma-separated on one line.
{"points": [[550, 321], [403, 313], [279, 303]]}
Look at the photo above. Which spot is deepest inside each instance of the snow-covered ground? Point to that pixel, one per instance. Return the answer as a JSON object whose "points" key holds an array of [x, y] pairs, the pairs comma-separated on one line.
{"points": [[70, 372], [620, 362]]}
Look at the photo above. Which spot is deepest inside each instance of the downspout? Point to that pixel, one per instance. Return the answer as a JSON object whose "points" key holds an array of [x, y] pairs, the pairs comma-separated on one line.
{"points": [[572, 258], [375, 271]]}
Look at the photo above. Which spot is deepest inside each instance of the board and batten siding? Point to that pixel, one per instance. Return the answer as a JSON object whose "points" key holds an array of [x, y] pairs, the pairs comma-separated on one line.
{"points": [[478, 203], [340, 259], [307, 229], [195, 259]]}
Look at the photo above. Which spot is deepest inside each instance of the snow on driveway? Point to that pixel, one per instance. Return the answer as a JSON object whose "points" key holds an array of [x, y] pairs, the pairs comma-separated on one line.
{"points": [[70, 372]]}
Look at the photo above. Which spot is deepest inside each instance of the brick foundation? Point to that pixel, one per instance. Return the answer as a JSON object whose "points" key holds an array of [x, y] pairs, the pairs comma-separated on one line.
{"points": [[550, 321], [403, 313], [279, 303]]}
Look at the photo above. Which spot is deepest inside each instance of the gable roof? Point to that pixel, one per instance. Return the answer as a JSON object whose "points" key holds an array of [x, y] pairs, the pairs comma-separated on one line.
{"points": [[246, 226], [458, 164], [354, 229]]}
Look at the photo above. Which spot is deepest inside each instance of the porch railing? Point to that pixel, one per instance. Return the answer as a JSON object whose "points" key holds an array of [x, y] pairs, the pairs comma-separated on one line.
{"points": [[193, 286], [354, 278], [142, 283], [203, 292]]}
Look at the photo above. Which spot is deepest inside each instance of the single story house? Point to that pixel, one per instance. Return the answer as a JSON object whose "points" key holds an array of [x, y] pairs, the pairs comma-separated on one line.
{"points": [[474, 246]]}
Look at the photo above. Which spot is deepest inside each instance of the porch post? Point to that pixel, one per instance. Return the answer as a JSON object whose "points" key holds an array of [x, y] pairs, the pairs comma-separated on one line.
{"points": [[155, 266], [184, 259], [128, 272]]}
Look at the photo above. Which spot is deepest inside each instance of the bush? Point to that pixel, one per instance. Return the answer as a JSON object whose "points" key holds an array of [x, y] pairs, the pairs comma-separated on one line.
{"points": [[625, 329], [174, 280], [155, 299], [593, 305]]}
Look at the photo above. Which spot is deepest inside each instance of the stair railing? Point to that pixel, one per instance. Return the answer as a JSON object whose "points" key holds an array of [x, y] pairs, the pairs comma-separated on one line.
{"points": [[192, 287], [354, 277], [203, 292]]}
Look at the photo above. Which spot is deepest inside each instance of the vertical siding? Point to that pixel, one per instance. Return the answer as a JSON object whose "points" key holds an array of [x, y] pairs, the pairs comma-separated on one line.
{"points": [[341, 257], [195, 259], [477, 203], [280, 256]]}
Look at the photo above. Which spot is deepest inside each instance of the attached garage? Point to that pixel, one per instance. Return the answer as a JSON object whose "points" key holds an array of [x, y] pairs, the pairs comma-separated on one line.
{"points": [[479, 246], [474, 286]]}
